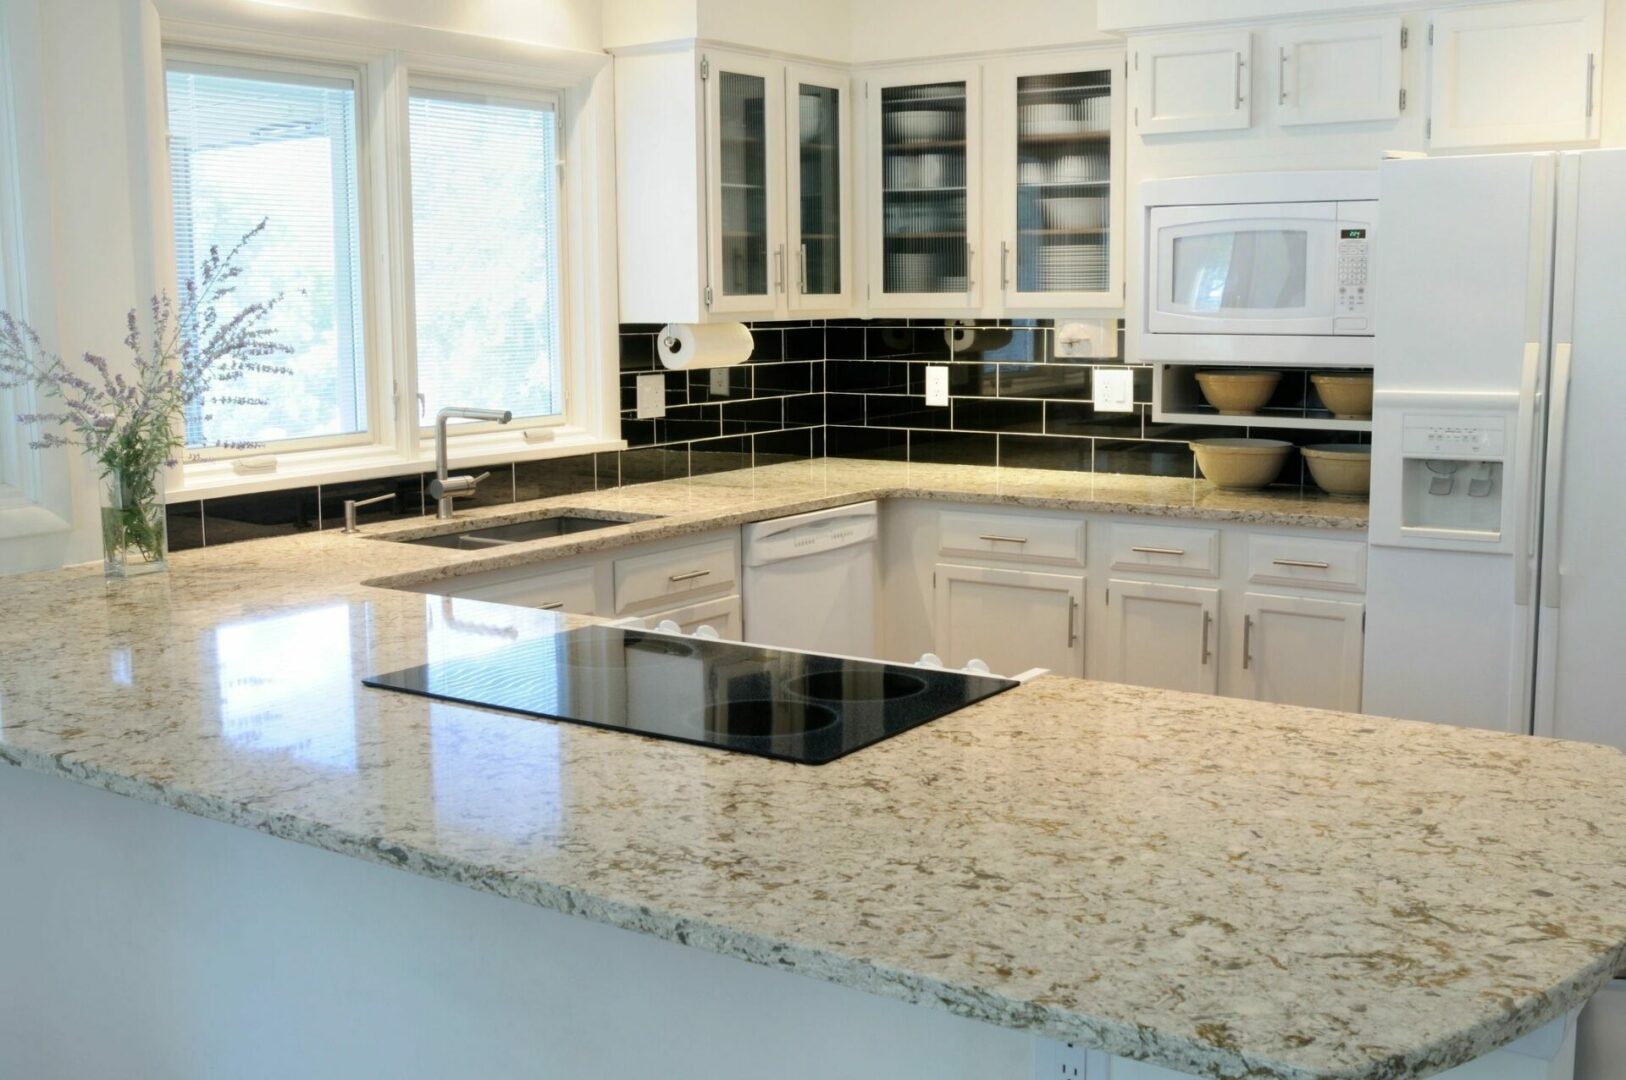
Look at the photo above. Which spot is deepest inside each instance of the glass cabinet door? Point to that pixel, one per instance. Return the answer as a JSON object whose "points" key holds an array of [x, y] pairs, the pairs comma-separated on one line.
{"points": [[926, 131], [747, 256], [1058, 250], [818, 189]]}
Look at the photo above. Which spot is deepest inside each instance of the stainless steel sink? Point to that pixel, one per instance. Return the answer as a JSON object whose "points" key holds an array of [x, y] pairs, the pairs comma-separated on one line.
{"points": [[518, 532]]}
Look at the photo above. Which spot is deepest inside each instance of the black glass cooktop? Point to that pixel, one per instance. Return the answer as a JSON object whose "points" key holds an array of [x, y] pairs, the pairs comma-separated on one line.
{"points": [[772, 702]]}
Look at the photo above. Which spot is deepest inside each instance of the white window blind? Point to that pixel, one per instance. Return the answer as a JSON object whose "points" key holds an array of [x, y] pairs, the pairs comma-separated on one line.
{"points": [[485, 254], [247, 145]]}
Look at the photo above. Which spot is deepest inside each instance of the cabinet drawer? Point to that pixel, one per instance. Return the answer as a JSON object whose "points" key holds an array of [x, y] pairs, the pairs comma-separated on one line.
{"points": [[1168, 549], [662, 576], [561, 590], [1056, 541], [1309, 561]]}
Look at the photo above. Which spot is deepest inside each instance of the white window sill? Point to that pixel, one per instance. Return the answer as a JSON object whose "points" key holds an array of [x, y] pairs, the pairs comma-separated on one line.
{"points": [[215, 479]]}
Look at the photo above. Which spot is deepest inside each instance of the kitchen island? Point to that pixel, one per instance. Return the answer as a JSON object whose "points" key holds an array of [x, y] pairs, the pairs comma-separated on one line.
{"points": [[1215, 886]]}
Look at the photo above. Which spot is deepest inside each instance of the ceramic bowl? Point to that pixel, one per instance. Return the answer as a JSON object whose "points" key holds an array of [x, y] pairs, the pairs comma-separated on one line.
{"points": [[1340, 469], [1240, 464], [1238, 393], [1348, 396], [1074, 213]]}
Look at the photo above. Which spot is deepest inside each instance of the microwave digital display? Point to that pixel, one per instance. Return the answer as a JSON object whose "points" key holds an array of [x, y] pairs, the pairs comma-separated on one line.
{"points": [[1352, 234]]}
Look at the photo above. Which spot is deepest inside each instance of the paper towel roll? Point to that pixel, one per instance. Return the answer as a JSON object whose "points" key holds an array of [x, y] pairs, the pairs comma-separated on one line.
{"points": [[686, 346]]}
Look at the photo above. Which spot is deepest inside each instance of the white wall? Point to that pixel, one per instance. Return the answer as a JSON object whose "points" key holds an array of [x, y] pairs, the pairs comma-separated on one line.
{"points": [[816, 28], [904, 29]]}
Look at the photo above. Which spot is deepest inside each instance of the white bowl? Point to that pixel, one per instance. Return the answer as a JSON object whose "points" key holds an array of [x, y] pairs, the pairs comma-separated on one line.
{"points": [[1240, 464], [1340, 469], [918, 125], [1238, 392], [1079, 212]]}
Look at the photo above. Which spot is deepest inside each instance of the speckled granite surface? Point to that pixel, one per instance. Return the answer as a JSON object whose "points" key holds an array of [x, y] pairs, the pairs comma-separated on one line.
{"points": [[1222, 887]]}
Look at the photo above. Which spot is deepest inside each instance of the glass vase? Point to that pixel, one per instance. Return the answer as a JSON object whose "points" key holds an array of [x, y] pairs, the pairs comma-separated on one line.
{"points": [[135, 538]]}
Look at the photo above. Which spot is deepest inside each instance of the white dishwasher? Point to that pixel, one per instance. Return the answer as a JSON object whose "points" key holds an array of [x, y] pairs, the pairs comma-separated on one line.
{"points": [[811, 580]]}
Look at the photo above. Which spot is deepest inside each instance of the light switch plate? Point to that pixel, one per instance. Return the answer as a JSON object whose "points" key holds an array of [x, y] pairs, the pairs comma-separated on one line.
{"points": [[651, 396], [719, 381], [1114, 389], [936, 384]]}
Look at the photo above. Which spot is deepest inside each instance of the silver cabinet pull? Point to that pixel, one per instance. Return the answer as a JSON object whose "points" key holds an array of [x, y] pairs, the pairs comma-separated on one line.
{"points": [[970, 278], [689, 576], [1308, 564], [1159, 550], [1240, 64], [555, 606], [1072, 621], [1281, 75], [779, 269], [1591, 67], [801, 273], [1208, 619], [1003, 539], [1247, 641], [1004, 265]]}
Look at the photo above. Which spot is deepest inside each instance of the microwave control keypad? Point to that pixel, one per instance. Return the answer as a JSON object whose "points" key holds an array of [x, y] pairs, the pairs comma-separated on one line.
{"points": [[1352, 271]]}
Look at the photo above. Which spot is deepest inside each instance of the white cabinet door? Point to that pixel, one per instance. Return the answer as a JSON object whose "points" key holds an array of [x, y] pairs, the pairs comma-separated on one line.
{"points": [[1193, 82], [1012, 620], [1162, 635], [1340, 72], [1515, 74], [818, 193], [924, 136], [561, 590], [1299, 651], [1056, 172], [722, 615], [745, 161]]}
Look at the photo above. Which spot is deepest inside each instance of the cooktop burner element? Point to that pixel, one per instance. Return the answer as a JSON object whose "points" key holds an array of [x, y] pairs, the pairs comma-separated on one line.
{"points": [[771, 702]]}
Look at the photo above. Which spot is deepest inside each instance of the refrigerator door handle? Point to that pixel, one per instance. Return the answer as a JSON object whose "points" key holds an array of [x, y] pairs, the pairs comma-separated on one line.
{"points": [[1553, 486], [1524, 531]]}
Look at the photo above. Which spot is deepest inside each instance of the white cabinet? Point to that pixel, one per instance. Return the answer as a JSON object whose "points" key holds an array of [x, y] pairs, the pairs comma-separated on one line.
{"points": [[1193, 82], [1056, 182], [1012, 620], [923, 147], [1338, 72], [1515, 74], [1161, 635], [721, 614], [1302, 651], [732, 187]]}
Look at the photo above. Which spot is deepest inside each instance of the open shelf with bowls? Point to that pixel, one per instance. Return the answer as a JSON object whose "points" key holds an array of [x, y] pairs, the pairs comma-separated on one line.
{"points": [[1299, 398]]}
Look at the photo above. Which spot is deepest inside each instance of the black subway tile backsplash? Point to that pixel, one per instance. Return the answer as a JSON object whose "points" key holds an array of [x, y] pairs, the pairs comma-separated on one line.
{"points": [[814, 388]]}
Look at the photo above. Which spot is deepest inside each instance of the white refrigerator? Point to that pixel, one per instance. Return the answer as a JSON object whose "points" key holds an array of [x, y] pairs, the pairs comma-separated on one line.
{"points": [[1498, 539]]}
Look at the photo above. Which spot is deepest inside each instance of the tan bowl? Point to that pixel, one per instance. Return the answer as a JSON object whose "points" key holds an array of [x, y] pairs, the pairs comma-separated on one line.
{"points": [[1340, 469], [1240, 464], [1348, 396], [1238, 393]]}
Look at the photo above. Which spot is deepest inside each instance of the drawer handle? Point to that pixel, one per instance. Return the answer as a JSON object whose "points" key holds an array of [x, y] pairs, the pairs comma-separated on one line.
{"points": [[1159, 551], [690, 576], [555, 606], [1308, 564], [1247, 641], [1003, 539]]}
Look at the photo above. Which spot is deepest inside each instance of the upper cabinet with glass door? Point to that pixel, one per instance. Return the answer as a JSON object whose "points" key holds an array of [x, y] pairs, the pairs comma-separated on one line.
{"points": [[745, 196], [1059, 126], [925, 159], [819, 194]]}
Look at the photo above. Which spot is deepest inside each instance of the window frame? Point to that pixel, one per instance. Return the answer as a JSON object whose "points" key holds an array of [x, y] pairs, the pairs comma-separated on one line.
{"points": [[487, 91], [306, 72], [390, 58]]}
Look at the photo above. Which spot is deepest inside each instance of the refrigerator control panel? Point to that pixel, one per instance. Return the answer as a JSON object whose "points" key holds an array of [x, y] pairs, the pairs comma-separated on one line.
{"points": [[1454, 435]]}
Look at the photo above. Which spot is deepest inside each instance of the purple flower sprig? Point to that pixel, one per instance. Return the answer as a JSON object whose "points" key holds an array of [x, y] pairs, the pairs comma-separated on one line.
{"points": [[130, 424]]}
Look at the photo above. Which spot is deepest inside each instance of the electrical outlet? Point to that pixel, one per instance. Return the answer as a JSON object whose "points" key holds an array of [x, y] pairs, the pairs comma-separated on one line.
{"points": [[719, 382], [1057, 1060], [1086, 339], [651, 396], [936, 384], [1113, 389]]}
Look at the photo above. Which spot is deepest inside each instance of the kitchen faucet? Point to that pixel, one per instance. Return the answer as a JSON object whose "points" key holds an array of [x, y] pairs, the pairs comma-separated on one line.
{"points": [[443, 489]]}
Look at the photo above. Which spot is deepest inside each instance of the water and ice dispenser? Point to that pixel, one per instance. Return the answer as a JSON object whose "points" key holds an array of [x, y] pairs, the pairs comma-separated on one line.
{"points": [[1443, 469]]}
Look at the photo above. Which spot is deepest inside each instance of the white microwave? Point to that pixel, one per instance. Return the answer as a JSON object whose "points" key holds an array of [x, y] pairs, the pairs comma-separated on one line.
{"points": [[1259, 257]]}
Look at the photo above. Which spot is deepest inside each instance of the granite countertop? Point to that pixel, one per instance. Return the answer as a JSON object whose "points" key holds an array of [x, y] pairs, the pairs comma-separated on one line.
{"points": [[1223, 887]]}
